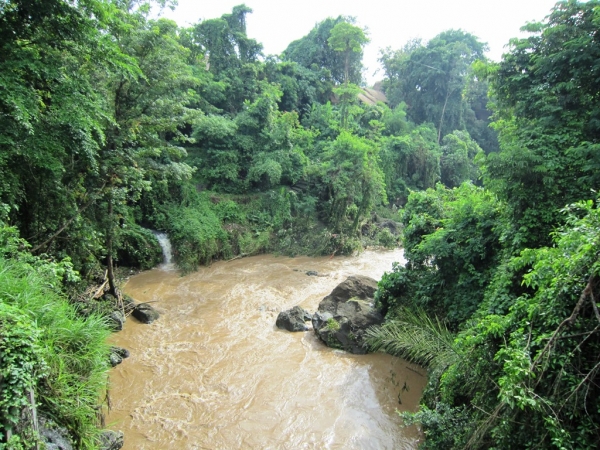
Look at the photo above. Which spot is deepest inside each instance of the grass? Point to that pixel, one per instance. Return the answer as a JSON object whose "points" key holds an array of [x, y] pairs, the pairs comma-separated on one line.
{"points": [[73, 349]]}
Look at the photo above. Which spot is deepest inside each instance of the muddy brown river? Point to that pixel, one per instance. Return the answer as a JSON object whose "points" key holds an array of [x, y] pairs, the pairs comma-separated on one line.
{"points": [[215, 373]]}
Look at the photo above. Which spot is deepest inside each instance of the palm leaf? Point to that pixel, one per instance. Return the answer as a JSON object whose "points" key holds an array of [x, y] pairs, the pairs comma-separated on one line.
{"points": [[417, 338]]}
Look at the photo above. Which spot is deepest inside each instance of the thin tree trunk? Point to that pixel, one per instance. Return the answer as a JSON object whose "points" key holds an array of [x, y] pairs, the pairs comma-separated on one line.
{"points": [[442, 117], [362, 208], [34, 417], [109, 249]]}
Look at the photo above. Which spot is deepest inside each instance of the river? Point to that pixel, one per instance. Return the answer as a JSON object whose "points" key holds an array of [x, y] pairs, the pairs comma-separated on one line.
{"points": [[215, 373]]}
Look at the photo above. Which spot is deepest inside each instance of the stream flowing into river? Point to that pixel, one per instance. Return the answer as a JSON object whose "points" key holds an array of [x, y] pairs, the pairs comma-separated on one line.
{"points": [[215, 373]]}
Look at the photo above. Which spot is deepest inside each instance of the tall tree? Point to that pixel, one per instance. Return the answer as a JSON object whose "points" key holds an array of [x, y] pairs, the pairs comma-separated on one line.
{"points": [[548, 114], [53, 115], [347, 39], [146, 115], [352, 178], [314, 51], [432, 78]]}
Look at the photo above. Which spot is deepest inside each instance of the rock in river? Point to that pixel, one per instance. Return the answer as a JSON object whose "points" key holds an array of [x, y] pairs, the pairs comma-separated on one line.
{"points": [[293, 319], [145, 313], [346, 313], [111, 440]]}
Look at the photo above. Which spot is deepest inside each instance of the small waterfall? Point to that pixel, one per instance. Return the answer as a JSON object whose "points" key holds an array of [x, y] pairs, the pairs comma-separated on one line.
{"points": [[165, 244]]}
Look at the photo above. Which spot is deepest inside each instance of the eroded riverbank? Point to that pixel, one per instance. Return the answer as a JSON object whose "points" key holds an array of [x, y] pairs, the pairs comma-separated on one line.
{"points": [[214, 372]]}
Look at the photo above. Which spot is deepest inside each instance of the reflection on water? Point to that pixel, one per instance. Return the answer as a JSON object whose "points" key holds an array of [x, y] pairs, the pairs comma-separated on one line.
{"points": [[214, 372]]}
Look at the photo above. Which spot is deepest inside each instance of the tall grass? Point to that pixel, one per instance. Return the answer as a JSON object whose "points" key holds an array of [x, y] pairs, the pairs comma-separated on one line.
{"points": [[74, 350]]}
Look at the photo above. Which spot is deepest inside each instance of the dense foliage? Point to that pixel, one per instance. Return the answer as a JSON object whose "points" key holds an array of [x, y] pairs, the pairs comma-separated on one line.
{"points": [[115, 122], [507, 267], [53, 362]]}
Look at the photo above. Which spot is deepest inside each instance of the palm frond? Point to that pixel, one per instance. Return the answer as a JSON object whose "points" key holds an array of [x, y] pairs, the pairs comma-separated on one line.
{"points": [[417, 338]]}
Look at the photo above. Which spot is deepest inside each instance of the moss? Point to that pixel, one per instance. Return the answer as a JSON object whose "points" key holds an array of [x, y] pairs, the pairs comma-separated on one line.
{"points": [[332, 324]]}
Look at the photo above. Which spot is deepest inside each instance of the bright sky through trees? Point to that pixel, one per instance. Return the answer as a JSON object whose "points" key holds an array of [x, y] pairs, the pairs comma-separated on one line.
{"points": [[276, 23]]}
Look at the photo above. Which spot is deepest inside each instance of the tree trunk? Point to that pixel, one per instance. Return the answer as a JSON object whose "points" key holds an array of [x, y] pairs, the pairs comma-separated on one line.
{"points": [[442, 117], [362, 208], [109, 248]]}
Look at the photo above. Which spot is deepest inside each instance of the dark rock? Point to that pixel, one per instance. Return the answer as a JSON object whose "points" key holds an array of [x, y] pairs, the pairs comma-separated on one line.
{"points": [[122, 352], [312, 273], [114, 359], [293, 319], [394, 227], [55, 437], [145, 313], [116, 320], [117, 355], [356, 286], [346, 313], [111, 440]]}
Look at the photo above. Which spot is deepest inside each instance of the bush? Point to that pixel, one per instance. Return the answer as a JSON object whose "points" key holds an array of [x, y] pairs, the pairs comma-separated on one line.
{"points": [[229, 211], [196, 234], [138, 247], [61, 355], [21, 366], [386, 239], [453, 246]]}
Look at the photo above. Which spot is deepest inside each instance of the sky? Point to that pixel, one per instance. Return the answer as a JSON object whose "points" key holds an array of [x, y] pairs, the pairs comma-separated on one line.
{"points": [[390, 23]]}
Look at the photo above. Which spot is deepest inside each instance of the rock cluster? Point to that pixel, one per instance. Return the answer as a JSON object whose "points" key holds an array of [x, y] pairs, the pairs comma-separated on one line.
{"points": [[342, 317], [345, 314]]}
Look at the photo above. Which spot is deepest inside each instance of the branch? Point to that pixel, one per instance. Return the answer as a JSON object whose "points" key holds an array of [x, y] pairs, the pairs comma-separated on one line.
{"points": [[67, 223], [101, 288], [587, 291], [587, 377]]}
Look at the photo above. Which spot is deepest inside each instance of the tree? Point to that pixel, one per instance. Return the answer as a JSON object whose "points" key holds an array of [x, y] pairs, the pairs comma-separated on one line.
{"points": [[300, 87], [410, 160], [53, 116], [146, 113], [223, 48], [314, 52], [347, 39], [546, 90], [457, 163], [452, 246], [432, 78], [352, 177]]}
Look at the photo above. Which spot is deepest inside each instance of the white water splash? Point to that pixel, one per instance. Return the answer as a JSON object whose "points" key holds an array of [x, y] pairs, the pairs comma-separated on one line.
{"points": [[165, 244]]}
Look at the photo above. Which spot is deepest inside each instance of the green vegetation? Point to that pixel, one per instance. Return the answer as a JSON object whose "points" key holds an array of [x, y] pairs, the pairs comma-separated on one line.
{"points": [[115, 123], [53, 363], [499, 297], [332, 324], [132, 122]]}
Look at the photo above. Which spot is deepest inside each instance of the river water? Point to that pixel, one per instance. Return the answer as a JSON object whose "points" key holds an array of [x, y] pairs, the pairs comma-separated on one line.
{"points": [[215, 373]]}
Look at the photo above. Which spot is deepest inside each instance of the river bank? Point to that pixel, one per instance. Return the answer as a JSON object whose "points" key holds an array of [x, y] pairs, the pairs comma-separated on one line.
{"points": [[214, 372]]}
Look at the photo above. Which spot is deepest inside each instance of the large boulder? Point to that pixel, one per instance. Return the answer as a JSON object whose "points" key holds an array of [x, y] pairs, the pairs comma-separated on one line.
{"points": [[293, 319], [145, 313], [346, 313]]}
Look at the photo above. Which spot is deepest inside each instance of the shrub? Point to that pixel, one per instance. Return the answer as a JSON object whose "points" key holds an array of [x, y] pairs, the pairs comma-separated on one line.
{"points": [[196, 234], [138, 248], [66, 356], [386, 239]]}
